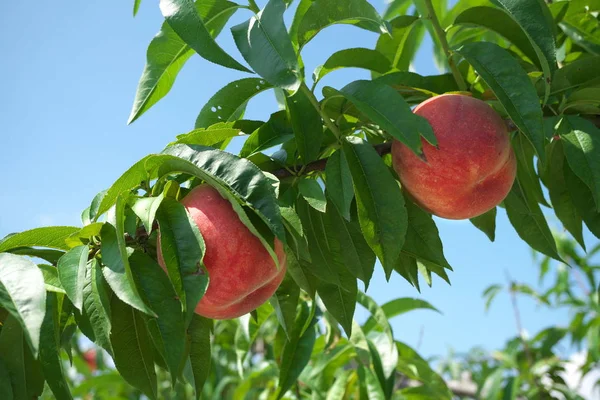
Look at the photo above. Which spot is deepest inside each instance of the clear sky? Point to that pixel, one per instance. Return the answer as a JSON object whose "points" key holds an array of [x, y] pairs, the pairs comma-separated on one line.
{"points": [[69, 72]]}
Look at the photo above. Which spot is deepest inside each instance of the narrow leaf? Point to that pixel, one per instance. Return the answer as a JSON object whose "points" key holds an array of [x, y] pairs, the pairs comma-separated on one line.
{"points": [[486, 223], [200, 351], [71, 272], [96, 304], [368, 59], [339, 183], [182, 17], [306, 124], [52, 237], [312, 192]]}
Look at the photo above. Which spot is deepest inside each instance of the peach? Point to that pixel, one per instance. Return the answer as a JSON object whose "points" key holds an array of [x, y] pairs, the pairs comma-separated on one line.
{"points": [[474, 166], [242, 273]]}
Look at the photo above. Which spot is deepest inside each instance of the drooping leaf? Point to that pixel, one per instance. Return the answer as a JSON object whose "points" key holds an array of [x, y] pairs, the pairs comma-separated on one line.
{"points": [[381, 210], [528, 220], [71, 273], [526, 172], [49, 255], [323, 13], [132, 346], [168, 329], [96, 304], [6, 391], [410, 83], [184, 19], [50, 351], [211, 136], [407, 267], [229, 103], [312, 192], [241, 179], [285, 301], [24, 372], [116, 268], [422, 238], [583, 199], [52, 237], [368, 59], [145, 208], [306, 124], [486, 223], [265, 44], [581, 142], [378, 316], [562, 200], [200, 351], [372, 388], [23, 295], [167, 53], [512, 86], [386, 108], [301, 277], [339, 183], [51, 281], [348, 246], [340, 300], [581, 72], [183, 250], [297, 350]]}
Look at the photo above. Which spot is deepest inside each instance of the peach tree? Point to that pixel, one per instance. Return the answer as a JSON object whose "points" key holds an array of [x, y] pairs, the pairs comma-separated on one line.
{"points": [[194, 248]]}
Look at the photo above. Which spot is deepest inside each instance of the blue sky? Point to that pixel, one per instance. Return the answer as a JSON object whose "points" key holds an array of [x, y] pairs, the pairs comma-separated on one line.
{"points": [[70, 70]]}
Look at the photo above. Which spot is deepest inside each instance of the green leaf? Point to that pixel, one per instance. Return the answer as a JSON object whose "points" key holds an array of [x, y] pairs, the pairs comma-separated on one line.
{"points": [[422, 238], [71, 272], [52, 237], [6, 391], [399, 46], [512, 388], [133, 353], [136, 6], [96, 304], [526, 173], [168, 329], [406, 266], [372, 387], [501, 22], [323, 264], [378, 316], [396, 7], [583, 200], [276, 131], [167, 53], [84, 235], [582, 150], [183, 250], [323, 13], [338, 389], [394, 308], [50, 351], [490, 294], [51, 256], [581, 72], [381, 210], [239, 177], [183, 18], [51, 281], [229, 103], [340, 300], [25, 374], [297, 350], [23, 295], [265, 44], [285, 301], [411, 83], [511, 85], [348, 246], [116, 268], [312, 192], [528, 220], [145, 208], [535, 19], [486, 223], [368, 59], [386, 108], [562, 200], [209, 137], [200, 351], [339, 183], [302, 279], [306, 124]]}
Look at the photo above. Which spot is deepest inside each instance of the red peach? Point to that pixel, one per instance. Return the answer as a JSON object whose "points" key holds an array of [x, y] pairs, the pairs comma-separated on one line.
{"points": [[474, 168], [242, 273]]}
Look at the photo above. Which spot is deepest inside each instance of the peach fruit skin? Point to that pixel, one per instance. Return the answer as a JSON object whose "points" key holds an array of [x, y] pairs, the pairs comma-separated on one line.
{"points": [[242, 273], [475, 166]]}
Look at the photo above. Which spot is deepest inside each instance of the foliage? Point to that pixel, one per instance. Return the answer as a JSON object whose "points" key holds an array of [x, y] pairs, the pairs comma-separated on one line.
{"points": [[316, 176]]}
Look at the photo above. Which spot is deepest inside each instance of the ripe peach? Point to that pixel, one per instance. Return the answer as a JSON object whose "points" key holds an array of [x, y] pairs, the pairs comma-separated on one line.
{"points": [[474, 168], [242, 273]]}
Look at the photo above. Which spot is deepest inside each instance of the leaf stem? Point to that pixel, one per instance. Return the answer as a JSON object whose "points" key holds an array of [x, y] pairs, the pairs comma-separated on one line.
{"points": [[441, 34], [313, 100]]}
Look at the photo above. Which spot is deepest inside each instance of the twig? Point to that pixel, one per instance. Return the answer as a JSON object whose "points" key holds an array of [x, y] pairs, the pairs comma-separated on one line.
{"points": [[441, 34]]}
